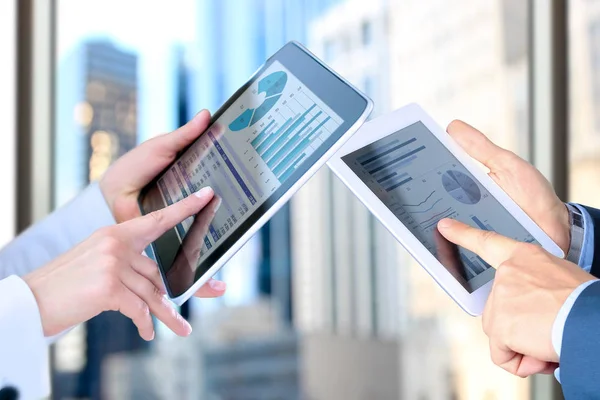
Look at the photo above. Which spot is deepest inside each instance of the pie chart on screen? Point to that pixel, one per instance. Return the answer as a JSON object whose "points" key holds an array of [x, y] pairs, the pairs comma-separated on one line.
{"points": [[461, 187], [272, 86]]}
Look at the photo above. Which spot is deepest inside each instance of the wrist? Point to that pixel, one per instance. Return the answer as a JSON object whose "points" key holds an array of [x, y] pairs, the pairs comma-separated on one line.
{"points": [[35, 286]]}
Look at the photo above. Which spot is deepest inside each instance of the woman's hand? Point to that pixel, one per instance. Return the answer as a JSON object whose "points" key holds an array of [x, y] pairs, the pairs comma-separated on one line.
{"points": [[108, 272], [122, 183]]}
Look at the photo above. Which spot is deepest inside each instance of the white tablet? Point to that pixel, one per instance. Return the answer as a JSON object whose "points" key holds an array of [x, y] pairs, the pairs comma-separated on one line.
{"points": [[410, 174], [269, 138]]}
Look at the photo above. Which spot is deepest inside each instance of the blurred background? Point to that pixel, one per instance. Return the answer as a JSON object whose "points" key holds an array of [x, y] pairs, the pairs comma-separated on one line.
{"points": [[322, 303]]}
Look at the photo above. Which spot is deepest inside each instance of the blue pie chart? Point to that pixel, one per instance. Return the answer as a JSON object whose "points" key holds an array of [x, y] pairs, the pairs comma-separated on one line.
{"points": [[461, 187], [272, 86]]}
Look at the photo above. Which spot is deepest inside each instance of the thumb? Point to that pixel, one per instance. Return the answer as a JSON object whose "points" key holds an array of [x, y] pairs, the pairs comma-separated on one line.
{"points": [[146, 229], [492, 247], [177, 140]]}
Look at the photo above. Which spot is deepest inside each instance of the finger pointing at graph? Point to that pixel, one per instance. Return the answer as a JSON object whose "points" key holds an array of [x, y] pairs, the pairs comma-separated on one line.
{"points": [[529, 288]]}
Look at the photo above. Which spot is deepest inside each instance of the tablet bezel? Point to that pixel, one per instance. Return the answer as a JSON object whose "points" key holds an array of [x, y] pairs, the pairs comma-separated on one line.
{"points": [[473, 303], [309, 68]]}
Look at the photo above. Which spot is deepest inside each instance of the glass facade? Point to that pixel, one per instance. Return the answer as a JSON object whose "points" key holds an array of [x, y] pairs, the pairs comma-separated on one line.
{"points": [[322, 303], [584, 102]]}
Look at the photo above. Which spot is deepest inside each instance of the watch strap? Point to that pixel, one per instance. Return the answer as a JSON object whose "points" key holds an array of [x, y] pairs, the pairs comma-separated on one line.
{"points": [[576, 221]]}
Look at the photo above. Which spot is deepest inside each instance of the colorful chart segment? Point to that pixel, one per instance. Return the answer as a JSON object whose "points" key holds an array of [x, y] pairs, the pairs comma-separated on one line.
{"points": [[272, 85]]}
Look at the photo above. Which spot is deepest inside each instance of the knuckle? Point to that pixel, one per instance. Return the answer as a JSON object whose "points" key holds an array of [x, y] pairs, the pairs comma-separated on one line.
{"points": [[111, 284], [529, 249], [521, 374], [505, 270], [156, 293], [102, 233], [111, 246], [158, 216], [495, 359], [111, 265], [142, 310], [486, 236]]}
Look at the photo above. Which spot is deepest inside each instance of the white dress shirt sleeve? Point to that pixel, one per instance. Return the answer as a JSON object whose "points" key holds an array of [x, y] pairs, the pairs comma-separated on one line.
{"points": [[23, 347]]}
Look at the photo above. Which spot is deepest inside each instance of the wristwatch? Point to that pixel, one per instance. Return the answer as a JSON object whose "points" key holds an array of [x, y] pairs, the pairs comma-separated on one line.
{"points": [[577, 234]]}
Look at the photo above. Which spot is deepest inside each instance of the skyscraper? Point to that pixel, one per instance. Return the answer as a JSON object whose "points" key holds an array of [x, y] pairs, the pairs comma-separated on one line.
{"points": [[345, 278], [467, 62], [97, 104]]}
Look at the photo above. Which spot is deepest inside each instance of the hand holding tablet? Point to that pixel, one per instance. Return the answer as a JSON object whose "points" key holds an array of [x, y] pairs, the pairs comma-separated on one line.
{"points": [[411, 174], [261, 147]]}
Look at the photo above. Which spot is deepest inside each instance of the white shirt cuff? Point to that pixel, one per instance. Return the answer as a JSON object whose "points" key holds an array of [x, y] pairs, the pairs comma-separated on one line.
{"points": [[24, 361]]}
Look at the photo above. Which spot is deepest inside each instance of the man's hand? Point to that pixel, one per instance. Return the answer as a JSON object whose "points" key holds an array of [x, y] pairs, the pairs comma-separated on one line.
{"points": [[529, 289], [122, 183], [108, 272], [520, 180]]}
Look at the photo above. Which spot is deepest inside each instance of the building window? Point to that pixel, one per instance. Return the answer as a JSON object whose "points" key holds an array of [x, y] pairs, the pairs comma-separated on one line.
{"points": [[367, 33]]}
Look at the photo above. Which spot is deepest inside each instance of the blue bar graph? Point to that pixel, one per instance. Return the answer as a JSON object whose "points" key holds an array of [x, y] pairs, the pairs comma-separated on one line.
{"points": [[262, 135], [484, 264], [301, 147], [384, 153], [288, 160], [262, 147], [290, 143], [397, 185], [398, 159], [472, 267], [385, 178], [291, 169], [478, 222], [384, 172], [376, 151], [286, 135], [397, 179]]}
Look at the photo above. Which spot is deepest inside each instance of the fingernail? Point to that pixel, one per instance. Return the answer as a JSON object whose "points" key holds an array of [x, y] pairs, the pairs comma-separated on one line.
{"points": [[204, 192], [153, 335], [217, 285], [188, 328], [445, 223], [218, 204]]}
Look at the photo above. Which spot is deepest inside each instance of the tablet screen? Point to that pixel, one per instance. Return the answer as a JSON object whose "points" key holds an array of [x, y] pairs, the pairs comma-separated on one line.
{"points": [[261, 142], [421, 182]]}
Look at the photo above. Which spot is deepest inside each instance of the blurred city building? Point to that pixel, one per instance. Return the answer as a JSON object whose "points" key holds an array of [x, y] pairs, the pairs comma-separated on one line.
{"points": [[475, 61], [96, 114], [96, 124], [584, 109]]}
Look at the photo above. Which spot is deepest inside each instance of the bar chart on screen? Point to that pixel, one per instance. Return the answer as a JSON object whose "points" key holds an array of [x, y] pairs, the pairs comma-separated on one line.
{"points": [[421, 183], [251, 150]]}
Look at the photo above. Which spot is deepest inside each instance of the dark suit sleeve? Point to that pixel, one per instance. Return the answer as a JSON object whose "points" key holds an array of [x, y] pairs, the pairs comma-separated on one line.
{"points": [[595, 214], [580, 353]]}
